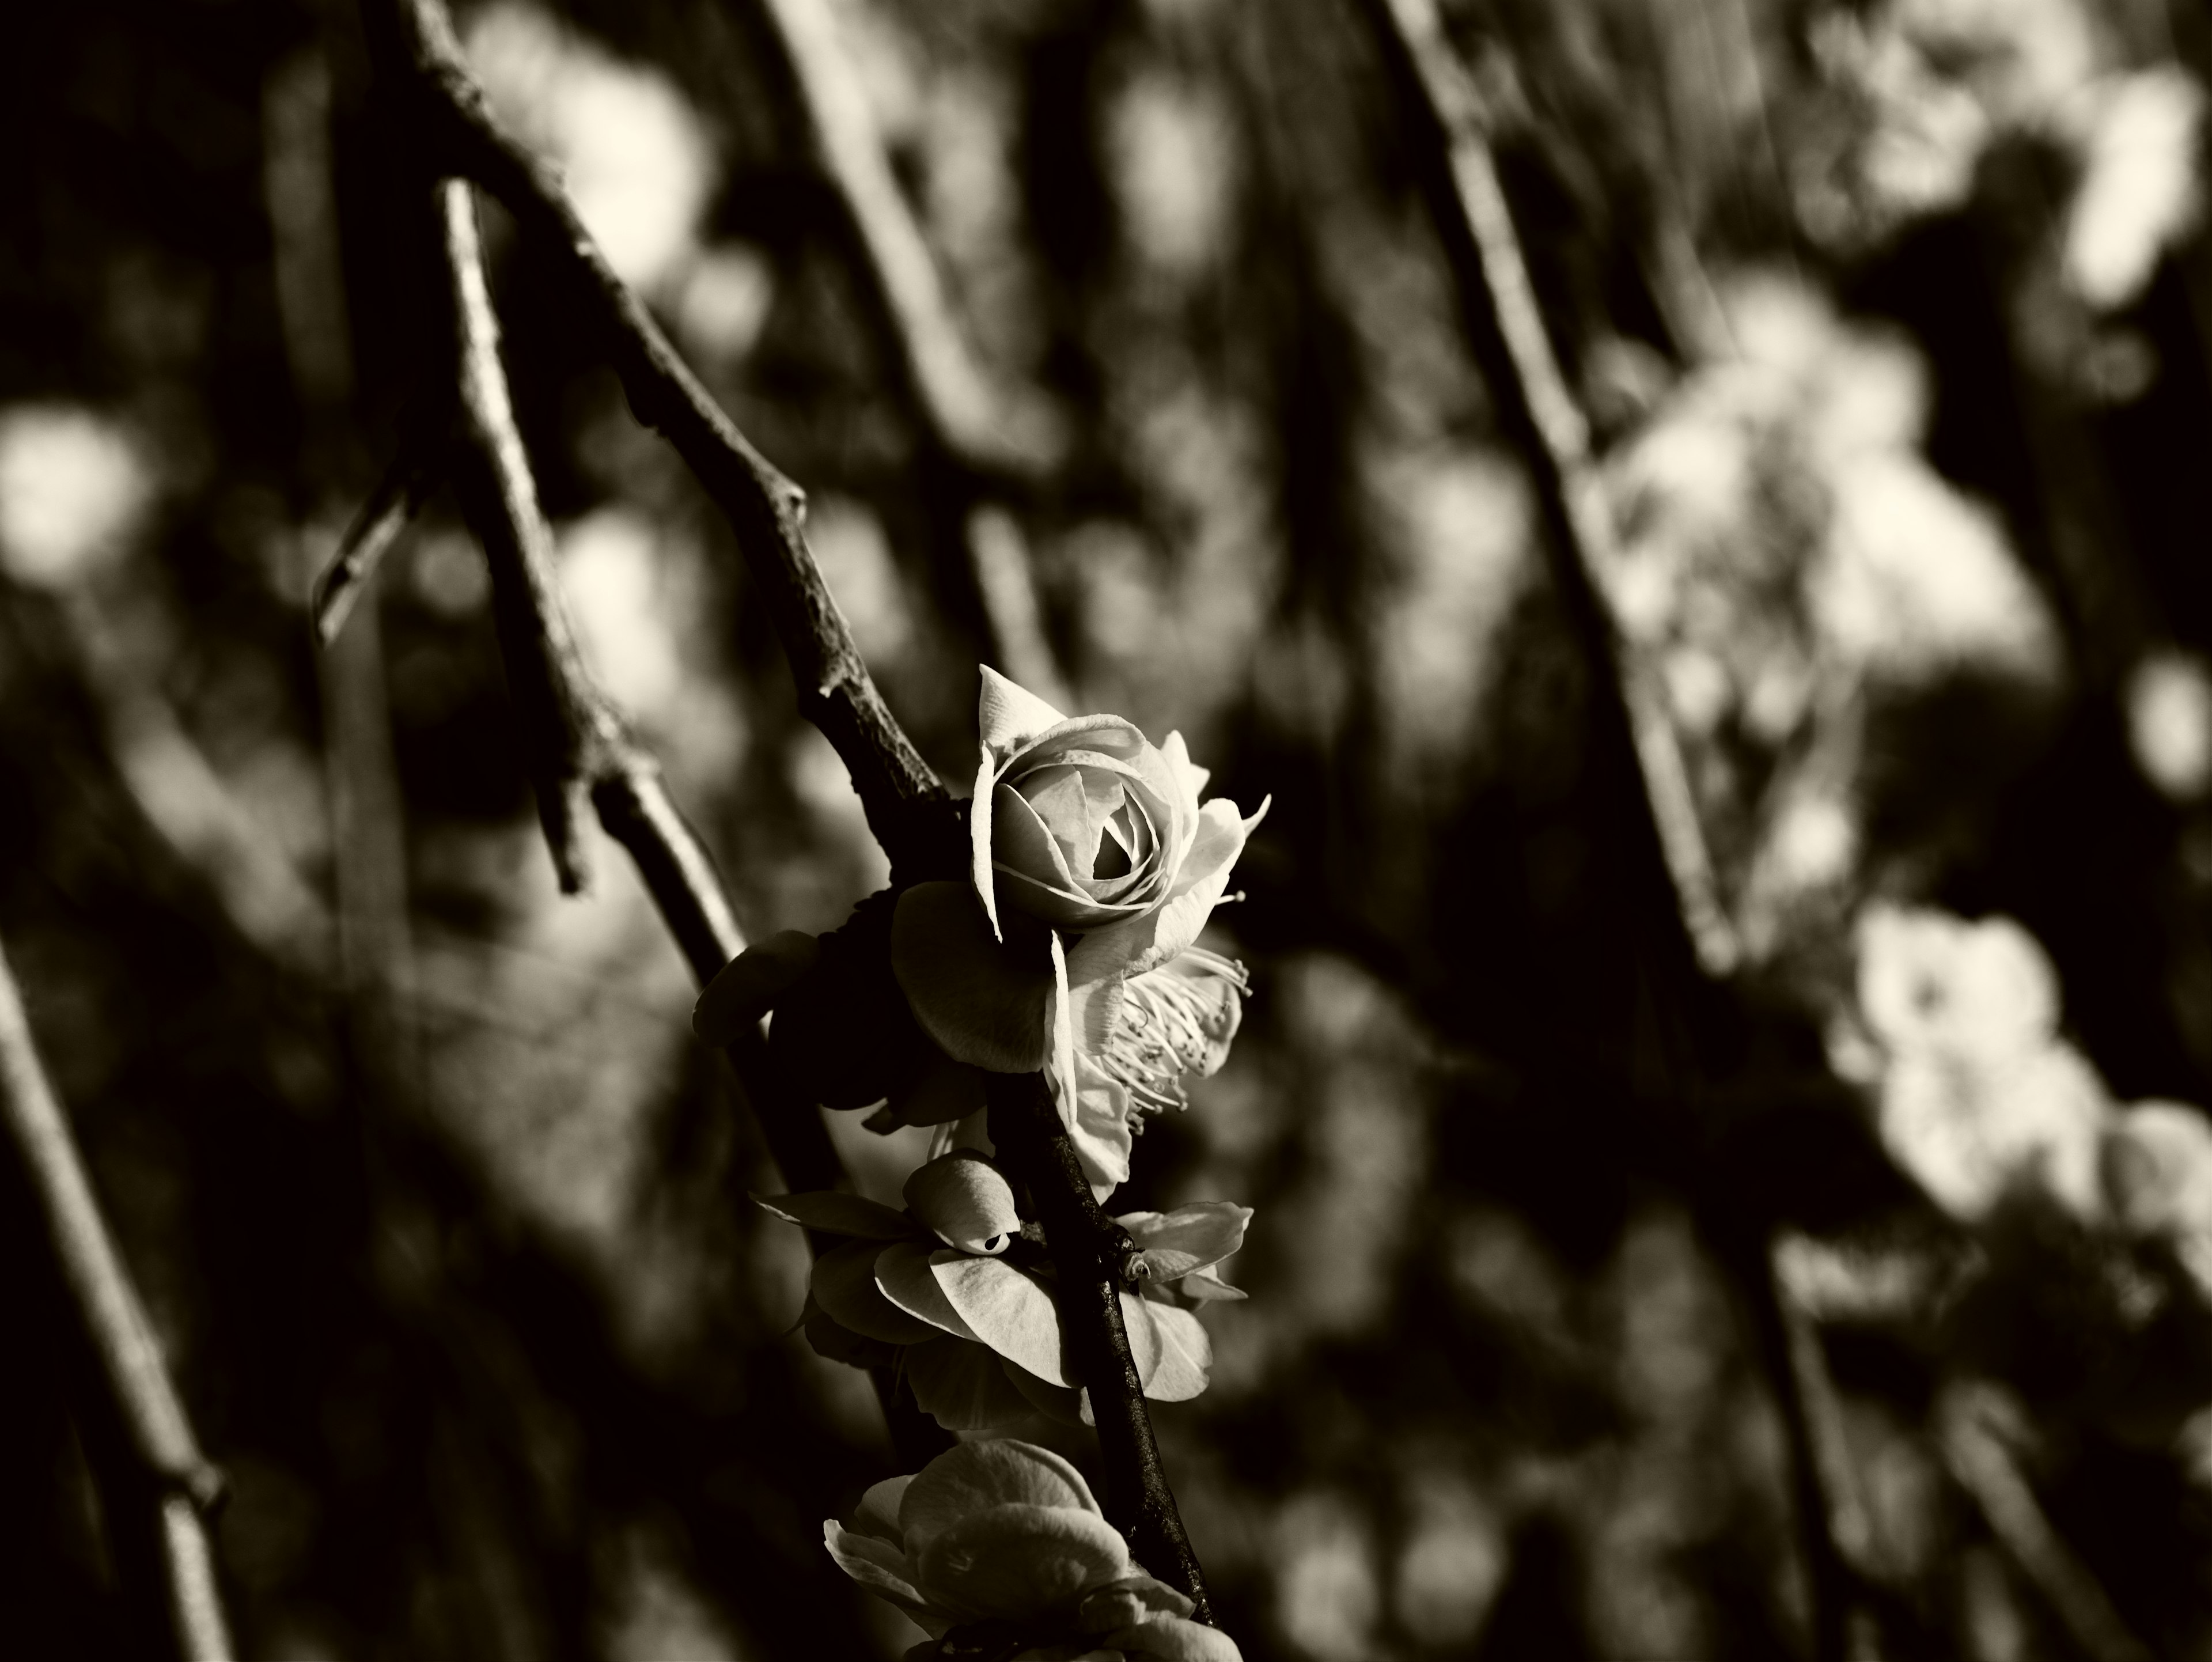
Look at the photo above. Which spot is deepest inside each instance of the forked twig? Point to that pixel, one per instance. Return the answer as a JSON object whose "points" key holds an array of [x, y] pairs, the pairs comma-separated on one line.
{"points": [[764, 509], [168, 1488]]}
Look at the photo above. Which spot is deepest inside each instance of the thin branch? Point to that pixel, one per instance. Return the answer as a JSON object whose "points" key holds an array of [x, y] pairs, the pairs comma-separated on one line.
{"points": [[399, 496], [1091, 1254], [175, 1486], [965, 417], [1968, 1419], [764, 508], [580, 748], [1535, 406]]}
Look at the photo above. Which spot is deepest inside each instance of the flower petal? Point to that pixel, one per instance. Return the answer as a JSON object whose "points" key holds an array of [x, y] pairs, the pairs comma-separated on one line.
{"points": [[1203, 1286], [961, 1385], [855, 1555], [979, 831], [1172, 1639], [840, 1344], [747, 987], [941, 1091], [903, 1275], [1097, 1122], [966, 1201], [1054, 1401], [1189, 1237], [983, 1002], [977, 1475], [844, 1285], [1022, 843], [1188, 774], [878, 1513], [1009, 1310], [839, 1214], [1007, 716], [1125, 1603], [1157, 936], [1186, 1354], [1018, 1563]]}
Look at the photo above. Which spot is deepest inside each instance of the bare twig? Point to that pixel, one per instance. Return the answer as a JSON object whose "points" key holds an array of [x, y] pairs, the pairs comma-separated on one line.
{"points": [[399, 496], [1089, 1250], [580, 748], [175, 1486], [764, 508], [1970, 1420], [1534, 403], [965, 417]]}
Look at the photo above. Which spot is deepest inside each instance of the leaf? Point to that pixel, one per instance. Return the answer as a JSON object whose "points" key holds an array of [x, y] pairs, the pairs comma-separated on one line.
{"points": [[1008, 1309], [833, 1214]]}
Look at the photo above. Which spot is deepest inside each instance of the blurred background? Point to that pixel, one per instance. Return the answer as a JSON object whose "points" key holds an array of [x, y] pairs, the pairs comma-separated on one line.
{"points": [[1824, 1276]]}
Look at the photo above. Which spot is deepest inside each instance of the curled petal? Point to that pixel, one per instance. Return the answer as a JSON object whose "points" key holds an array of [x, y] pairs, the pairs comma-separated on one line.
{"points": [[1016, 1562], [1008, 1309], [1098, 1121], [1199, 882], [747, 987], [1008, 716], [1124, 1604], [976, 1475], [878, 1513], [964, 1198], [1190, 776], [1189, 1237], [844, 1285], [833, 1213], [857, 1556], [903, 1275], [1203, 1286], [983, 1002], [962, 1387]]}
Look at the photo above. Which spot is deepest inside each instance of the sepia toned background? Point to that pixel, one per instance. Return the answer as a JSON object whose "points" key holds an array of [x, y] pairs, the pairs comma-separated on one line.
{"points": [[1631, 1277]]}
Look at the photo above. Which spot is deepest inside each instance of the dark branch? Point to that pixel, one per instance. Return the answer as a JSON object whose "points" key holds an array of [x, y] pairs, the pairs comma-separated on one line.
{"points": [[1090, 1252], [158, 1486], [399, 496], [764, 508]]}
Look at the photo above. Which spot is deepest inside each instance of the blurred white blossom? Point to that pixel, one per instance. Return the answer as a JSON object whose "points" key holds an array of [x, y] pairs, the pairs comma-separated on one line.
{"points": [[637, 159], [2169, 709], [2139, 189], [1977, 1094], [73, 489]]}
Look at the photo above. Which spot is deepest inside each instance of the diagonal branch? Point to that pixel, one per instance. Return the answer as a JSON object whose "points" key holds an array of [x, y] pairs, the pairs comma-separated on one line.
{"points": [[764, 509], [158, 1487], [579, 747], [1090, 1252], [966, 417], [1523, 374]]}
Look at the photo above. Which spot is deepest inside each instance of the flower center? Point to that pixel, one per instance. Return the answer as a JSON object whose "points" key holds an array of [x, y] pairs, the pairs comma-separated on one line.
{"points": [[1174, 1021]]}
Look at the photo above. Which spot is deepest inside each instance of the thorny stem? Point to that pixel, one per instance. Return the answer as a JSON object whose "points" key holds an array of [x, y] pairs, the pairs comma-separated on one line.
{"points": [[158, 1487], [1090, 1251], [764, 509]]}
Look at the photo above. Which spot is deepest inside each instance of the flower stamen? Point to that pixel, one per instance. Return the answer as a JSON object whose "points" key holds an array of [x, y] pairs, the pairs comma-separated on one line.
{"points": [[1174, 1021]]}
